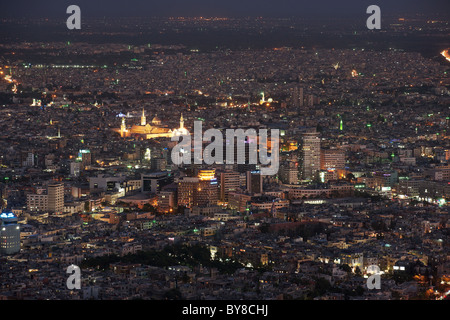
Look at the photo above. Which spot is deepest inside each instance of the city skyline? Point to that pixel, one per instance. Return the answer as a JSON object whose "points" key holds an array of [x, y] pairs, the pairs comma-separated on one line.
{"points": [[96, 205]]}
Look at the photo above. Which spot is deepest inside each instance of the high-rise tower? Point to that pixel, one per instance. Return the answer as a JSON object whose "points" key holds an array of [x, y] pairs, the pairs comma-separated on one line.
{"points": [[297, 97], [9, 233], [310, 154], [55, 198]]}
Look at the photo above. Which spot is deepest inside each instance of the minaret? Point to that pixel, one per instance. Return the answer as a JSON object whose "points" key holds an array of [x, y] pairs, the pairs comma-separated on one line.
{"points": [[263, 98], [123, 127], [181, 122], [143, 118]]}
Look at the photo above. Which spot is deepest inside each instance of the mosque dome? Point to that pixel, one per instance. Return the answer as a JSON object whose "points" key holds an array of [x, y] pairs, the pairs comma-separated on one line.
{"points": [[156, 121]]}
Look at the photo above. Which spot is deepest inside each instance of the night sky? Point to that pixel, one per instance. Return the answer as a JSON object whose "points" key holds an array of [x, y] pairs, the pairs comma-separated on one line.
{"points": [[228, 8]]}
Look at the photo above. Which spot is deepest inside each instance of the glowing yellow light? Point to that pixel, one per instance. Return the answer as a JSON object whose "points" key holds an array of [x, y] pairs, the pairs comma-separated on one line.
{"points": [[446, 54], [206, 174]]}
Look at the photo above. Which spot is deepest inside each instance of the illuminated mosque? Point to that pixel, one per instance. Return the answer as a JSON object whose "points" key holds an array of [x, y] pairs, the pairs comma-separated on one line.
{"points": [[150, 130]]}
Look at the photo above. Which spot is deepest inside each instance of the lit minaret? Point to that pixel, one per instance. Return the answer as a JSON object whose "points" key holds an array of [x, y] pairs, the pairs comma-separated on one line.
{"points": [[181, 122], [143, 118], [181, 131], [123, 127], [263, 98]]}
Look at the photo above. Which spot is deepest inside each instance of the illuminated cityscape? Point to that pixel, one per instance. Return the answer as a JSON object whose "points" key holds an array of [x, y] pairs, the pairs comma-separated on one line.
{"points": [[90, 117]]}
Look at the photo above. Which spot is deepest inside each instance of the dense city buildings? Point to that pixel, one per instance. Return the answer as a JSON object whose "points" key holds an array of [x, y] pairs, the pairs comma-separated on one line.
{"points": [[87, 175]]}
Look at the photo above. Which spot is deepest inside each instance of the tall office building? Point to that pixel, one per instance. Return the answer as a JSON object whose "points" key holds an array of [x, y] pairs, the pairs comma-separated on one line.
{"points": [[310, 100], [229, 182], [207, 193], [332, 159], [85, 157], [158, 164], [186, 187], [50, 199], [75, 169], [310, 154], [254, 182], [9, 233], [202, 190], [297, 97], [153, 182], [288, 173], [55, 197], [166, 201], [29, 160], [37, 202]]}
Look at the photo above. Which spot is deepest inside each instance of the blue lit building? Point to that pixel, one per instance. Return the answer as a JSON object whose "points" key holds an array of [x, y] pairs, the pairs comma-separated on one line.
{"points": [[9, 233]]}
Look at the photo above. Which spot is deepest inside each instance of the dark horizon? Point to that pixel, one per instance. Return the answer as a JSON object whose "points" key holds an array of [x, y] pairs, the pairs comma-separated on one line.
{"points": [[230, 8]]}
